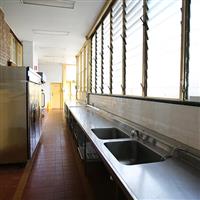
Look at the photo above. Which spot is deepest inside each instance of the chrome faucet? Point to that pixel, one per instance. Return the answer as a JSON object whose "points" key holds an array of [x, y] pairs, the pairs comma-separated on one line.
{"points": [[138, 135], [171, 153], [135, 133]]}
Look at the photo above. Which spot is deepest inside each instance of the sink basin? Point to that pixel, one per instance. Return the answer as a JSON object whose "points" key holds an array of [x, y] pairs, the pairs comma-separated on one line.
{"points": [[132, 152], [109, 133]]}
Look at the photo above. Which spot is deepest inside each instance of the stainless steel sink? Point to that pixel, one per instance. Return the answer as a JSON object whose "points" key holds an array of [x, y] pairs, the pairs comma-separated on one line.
{"points": [[109, 133], [132, 152]]}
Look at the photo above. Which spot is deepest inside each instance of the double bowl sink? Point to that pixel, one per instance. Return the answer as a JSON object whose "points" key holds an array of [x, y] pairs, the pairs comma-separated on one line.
{"points": [[128, 152]]}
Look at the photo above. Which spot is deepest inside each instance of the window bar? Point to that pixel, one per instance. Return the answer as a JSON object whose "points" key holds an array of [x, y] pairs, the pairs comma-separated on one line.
{"points": [[145, 49], [185, 38], [123, 48], [111, 51], [95, 86], [102, 55]]}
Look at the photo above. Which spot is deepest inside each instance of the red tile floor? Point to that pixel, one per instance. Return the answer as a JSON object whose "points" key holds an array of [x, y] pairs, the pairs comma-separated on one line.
{"points": [[55, 174], [9, 179], [57, 171]]}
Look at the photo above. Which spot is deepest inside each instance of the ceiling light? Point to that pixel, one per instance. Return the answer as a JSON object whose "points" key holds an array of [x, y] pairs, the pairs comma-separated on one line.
{"points": [[56, 3], [52, 48], [53, 56], [49, 32]]}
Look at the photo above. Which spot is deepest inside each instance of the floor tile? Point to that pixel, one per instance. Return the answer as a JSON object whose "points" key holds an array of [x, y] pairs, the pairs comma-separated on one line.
{"points": [[55, 173]]}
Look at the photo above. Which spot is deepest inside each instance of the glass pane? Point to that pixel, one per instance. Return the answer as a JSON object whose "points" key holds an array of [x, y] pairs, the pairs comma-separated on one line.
{"points": [[134, 44], [93, 63], [194, 71], [77, 73], [86, 66], [117, 48], [106, 53], [82, 70], [99, 59], [164, 48]]}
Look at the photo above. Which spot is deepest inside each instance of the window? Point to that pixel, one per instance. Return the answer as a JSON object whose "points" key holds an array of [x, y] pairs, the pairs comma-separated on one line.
{"points": [[194, 68], [13, 48], [106, 53], [117, 47], [77, 72], [134, 45], [164, 48], [93, 68], [99, 58], [86, 65], [83, 69]]}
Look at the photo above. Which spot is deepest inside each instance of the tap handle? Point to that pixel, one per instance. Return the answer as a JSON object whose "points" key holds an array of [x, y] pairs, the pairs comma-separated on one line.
{"points": [[135, 133]]}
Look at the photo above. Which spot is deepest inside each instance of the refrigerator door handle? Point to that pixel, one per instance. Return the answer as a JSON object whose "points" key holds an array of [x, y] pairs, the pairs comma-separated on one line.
{"points": [[43, 100]]}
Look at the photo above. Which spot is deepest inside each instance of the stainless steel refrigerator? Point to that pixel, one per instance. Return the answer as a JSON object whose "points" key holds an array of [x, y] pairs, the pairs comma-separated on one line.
{"points": [[20, 118]]}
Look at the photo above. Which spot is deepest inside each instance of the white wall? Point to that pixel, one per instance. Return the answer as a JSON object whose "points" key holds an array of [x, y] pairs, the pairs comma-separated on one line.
{"points": [[53, 72], [1, 4], [30, 57], [35, 55], [180, 122]]}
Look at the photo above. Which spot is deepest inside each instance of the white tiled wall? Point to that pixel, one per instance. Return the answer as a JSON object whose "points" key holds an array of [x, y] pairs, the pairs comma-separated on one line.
{"points": [[179, 122]]}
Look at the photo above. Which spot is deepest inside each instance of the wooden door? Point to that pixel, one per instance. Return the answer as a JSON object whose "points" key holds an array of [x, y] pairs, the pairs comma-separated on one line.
{"points": [[56, 95]]}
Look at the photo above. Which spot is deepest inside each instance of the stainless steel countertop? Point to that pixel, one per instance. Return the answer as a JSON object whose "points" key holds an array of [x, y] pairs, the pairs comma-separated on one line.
{"points": [[169, 179]]}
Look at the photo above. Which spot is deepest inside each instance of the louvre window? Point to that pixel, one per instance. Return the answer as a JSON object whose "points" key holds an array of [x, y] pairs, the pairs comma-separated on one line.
{"points": [[134, 44], [117, 47], [106, 53], [82, 70], [77, 73], [93, 68], [164, 48], [194, 68], [99, 54], [86, 66]]}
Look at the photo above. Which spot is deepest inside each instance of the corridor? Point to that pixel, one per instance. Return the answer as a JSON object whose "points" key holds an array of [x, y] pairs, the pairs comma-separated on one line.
{"points": [[56, 173]]}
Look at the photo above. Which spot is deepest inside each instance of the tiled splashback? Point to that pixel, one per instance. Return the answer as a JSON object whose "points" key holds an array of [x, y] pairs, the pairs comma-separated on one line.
{"points": [[180, 122]]}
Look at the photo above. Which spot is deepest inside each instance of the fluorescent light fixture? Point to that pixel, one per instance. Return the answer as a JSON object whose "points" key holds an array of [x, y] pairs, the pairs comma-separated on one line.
{"points": [[52, 48], [53, 56], [49, 32], [51, 3]]}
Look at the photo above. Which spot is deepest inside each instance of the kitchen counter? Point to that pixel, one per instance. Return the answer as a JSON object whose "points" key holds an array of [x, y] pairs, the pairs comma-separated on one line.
{"points": [[169, 179]]}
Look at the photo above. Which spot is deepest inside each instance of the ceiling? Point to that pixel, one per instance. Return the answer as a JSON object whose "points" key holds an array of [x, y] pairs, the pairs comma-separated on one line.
{"points": [[24, 19]]}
